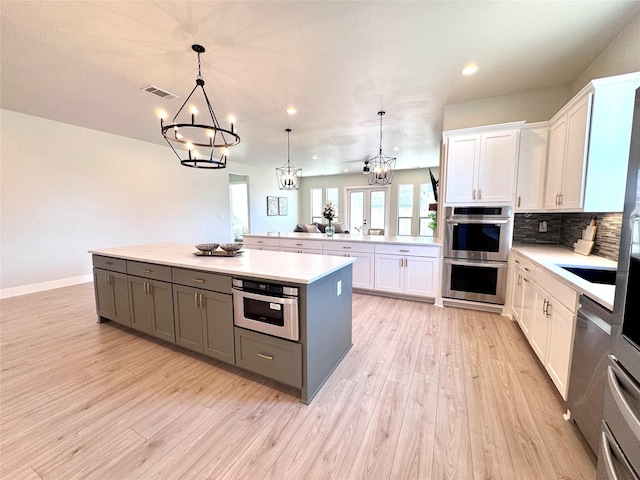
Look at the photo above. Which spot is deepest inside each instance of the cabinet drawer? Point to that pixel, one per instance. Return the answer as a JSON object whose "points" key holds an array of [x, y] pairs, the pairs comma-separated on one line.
{"points": [[415, 250], [333, 247], [271, 357], [523, 264], [252, 242], [109, 263], [301, 244], [204, 280], [149, 270], [562, 292]]}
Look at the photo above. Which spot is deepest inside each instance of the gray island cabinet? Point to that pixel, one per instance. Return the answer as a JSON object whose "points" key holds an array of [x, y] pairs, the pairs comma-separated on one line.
{"points": [[165, 291]]}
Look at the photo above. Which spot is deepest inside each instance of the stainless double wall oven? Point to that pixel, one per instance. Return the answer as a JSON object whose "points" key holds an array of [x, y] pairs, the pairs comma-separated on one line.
{"points": [[476, 250]]}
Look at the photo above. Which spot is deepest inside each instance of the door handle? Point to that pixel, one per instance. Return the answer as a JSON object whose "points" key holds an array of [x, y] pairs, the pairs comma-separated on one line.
{"points": [[473, 195], [479, 194], [519, 201]]}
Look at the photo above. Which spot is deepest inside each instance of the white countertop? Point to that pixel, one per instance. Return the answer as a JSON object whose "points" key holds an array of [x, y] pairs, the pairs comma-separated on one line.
{"points": [[351, 237], [550, 256], [273, 266]]}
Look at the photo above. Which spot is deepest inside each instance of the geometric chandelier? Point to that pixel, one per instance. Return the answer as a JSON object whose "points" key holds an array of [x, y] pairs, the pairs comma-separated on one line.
{"points": [[206, 142], [288, 175], [380, 167]]}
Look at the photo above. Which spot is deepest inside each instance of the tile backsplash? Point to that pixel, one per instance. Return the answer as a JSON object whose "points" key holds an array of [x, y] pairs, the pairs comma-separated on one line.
{"points": [[566, 228]]}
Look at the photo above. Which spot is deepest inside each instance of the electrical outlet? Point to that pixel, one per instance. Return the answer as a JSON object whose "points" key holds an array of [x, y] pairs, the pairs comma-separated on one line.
{"points": [[542, 226], [339, 288]]}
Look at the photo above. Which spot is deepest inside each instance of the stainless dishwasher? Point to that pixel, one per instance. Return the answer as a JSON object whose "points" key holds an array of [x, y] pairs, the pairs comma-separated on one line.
{"points": [[587, 378]]}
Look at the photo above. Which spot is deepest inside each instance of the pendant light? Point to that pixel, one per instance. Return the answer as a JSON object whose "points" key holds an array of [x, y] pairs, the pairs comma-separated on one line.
{"points": [[380, 166], [288, 175], [205, 140]]}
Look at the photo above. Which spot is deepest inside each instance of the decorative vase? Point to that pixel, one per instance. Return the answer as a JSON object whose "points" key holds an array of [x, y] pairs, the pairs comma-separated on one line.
{"points": [[330, 230]]}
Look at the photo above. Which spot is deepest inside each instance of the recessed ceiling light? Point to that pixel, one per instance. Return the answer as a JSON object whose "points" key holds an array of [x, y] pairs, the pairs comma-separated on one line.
{"points": [[315, 157], [396, 149], [292, 111], [470, 69]]}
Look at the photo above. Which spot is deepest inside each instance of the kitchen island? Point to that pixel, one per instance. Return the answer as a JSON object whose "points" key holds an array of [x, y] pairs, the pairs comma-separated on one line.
{"points": [[166, 291]]}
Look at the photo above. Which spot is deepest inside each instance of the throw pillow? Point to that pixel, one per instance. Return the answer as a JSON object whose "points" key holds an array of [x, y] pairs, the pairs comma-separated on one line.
{"points": [[311, 228], [299, 228]]}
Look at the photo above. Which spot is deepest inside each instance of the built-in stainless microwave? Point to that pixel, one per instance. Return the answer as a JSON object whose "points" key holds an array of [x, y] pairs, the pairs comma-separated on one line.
{"points": [[266, 307]]}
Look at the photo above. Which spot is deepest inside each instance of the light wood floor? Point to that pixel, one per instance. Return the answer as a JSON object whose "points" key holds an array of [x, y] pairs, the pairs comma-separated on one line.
{"points": [[425, 393]]}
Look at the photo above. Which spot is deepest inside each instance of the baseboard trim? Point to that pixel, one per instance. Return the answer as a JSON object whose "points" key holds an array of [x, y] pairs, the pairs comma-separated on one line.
{"points": [[43, 286]]}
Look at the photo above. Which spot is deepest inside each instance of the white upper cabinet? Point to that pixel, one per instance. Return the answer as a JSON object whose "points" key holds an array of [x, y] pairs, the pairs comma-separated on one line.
{"points": [[532, 166], [589, 147], [481, 165]]}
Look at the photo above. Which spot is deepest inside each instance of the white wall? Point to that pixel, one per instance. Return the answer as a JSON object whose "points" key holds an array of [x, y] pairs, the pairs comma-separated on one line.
{"points": [[622, 55], [66, 189]]}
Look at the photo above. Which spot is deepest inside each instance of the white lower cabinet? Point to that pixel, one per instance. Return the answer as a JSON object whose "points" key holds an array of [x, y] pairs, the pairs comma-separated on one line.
{"points": [[547, 319], [407, 270], [363, 268], [262, 243]]}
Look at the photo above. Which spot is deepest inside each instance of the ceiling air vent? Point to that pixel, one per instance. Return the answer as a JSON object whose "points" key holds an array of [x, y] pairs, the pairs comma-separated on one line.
{"points": [[159, 92]]}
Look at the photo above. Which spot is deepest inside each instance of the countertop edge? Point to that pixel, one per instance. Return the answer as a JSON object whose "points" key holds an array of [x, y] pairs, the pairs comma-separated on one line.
{"points": [[547, 258]]}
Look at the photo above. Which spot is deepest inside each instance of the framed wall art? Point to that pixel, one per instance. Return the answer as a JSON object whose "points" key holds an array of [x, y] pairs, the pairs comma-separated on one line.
{"points": [[283, 206], [272, 206]]}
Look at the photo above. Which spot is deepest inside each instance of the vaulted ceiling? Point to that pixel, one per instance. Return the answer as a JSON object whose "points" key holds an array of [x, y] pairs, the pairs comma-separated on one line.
{"points": [[338, 63]]}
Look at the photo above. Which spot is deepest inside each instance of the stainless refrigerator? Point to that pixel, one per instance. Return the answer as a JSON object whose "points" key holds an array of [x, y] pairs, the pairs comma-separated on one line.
{"points": [[619, 456]]}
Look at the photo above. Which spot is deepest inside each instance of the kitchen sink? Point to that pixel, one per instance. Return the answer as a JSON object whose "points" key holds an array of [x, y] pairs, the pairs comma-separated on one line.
{"points": [[603, 275]]}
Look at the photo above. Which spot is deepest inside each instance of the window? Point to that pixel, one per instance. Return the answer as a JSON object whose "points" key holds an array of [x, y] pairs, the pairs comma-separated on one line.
{"points": [[405, 209], [316, 205], [332, 195], [427, 222]]}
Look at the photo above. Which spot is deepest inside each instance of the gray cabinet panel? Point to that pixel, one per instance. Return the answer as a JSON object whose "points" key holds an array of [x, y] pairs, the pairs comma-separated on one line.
{"points": [[109, 263], [218, 326], [271, 357], [112, 296], [152, 307], [149, 270], [204, 280], [188, 317]]}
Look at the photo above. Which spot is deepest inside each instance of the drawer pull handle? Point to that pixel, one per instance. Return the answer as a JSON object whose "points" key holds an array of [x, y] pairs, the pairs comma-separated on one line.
{"points": [[108, 263], [405, 251], [527, 269], [146, 270], [265, 356], [198, 280], [347, 248], [299, 244]]}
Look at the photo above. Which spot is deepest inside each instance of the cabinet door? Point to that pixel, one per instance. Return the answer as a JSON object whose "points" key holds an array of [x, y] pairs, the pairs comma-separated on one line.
{"points": [[105, 303], [161, 303], [463, 154], [528, 306], [555, 163], [517, 292], [420, 276], [188, 317], [218, 326], [389, 273], [539, 338], [152, 307], [560, 345], [532, 168], [363, 270], [575, 163], [140, 305], [497, 166]]}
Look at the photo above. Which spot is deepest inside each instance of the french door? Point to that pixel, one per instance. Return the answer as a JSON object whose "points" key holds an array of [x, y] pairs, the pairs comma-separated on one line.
{"points": [[367, 208]]}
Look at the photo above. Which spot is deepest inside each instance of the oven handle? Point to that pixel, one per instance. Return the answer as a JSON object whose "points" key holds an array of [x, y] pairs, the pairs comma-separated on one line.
{"points": [[614, 376], [495, 221], [266, 298], [449, 261]]}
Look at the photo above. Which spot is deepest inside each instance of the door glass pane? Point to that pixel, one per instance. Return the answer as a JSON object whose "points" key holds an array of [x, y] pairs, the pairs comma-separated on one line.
{"points": [[378, 199], [356, 210]]}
